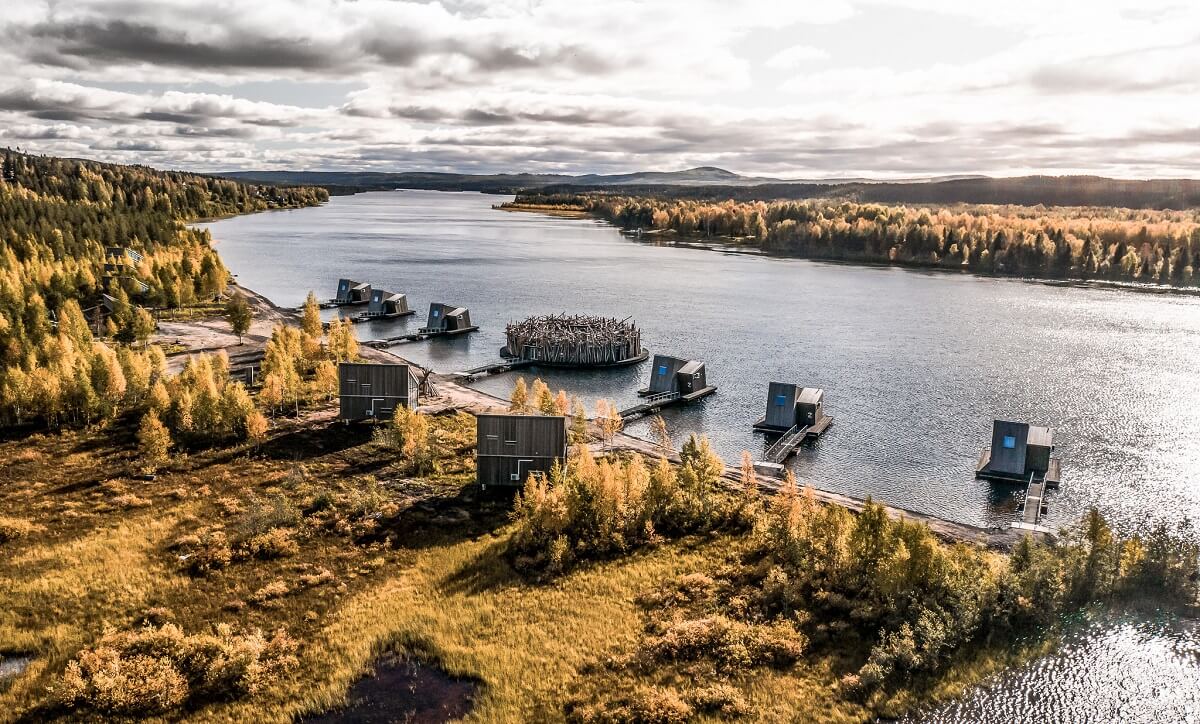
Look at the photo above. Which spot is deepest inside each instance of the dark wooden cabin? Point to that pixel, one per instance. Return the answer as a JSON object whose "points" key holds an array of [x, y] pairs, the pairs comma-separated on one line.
{"points": [[1019, 451], [352, 292], [385, 304], [510, 447], [792, 405], [445, 318], [674, 375], [374, 391]]}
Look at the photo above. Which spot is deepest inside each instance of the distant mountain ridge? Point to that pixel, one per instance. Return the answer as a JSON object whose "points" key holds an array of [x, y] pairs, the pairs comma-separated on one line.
{"points": [[713, 183]]}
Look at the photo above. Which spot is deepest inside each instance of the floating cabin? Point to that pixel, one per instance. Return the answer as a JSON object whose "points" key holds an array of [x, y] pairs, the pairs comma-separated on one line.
{"points": [[574, 341], [350, 292], [510, 447], [386, 305], [447, 319], [1019, 453], [790, 406], [673, 381], [374, 391]]}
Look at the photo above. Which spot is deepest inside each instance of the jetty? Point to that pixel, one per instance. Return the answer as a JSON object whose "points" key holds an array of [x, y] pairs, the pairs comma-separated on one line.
{"points": [[495, 368]]}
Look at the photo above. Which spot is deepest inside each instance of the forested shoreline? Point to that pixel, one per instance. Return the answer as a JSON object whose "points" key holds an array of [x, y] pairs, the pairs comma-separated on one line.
{"points": [[1085, 243], [60, 219]]}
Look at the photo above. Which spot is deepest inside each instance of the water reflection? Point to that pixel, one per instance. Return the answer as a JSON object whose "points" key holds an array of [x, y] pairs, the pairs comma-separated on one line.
{"points": [[1115, 668]]}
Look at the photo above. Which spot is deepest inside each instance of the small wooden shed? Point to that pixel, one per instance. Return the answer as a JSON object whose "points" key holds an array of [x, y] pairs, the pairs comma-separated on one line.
{"points": [[510, 447], [352, 292], [385, 304], [447, 318], [374, 391], [1019, 450], [789, 405], [672, 374]]}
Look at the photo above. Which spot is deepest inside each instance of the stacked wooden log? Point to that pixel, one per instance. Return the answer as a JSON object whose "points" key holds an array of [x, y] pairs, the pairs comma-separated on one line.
{"points": [[574, 340]]}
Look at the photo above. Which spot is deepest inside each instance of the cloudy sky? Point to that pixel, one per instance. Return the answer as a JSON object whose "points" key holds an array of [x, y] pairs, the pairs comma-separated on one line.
{"points": [[837, 88]]}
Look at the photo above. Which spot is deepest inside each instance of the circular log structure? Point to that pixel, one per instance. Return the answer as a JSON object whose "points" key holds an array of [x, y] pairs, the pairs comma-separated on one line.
{"points": [[575, 341]]}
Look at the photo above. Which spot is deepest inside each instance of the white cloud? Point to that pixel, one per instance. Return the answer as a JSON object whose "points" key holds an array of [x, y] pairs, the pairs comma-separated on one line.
{"points": [[796, 57], [761, 87]]}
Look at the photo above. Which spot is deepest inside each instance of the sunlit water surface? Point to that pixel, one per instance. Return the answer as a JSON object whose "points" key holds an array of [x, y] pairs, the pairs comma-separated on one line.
{"points": [[914, 365]]}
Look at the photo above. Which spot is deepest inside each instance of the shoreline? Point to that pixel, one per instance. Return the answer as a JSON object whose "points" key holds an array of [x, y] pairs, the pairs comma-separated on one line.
{"points": [[456, 396], [730, 245]]}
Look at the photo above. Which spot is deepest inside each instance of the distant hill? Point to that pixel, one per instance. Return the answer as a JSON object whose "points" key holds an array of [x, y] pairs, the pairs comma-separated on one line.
{"points": [[710, 182]]}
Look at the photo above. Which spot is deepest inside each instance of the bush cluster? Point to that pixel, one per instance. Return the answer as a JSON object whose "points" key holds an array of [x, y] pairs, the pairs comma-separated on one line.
{"points": [[590, 509], [158, 669]]}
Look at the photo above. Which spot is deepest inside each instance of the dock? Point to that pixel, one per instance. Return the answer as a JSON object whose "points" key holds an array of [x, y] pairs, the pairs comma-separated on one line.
{"points": [[793, 438], [655, 402], [496, 368], [423, 334], [368, 317], [1034, 507]]}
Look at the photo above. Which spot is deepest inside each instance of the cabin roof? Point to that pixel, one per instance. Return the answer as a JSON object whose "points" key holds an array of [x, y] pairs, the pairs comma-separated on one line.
{"points": [[360, 285], [810, 396], [691, 367]]}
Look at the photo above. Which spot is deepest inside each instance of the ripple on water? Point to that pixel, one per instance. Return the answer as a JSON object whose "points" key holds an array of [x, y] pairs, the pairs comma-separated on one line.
{"points": [[1113, 668]]}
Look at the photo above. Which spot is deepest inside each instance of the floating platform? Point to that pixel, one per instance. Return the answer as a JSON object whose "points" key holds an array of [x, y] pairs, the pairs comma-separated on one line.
{"points": [[789, 441], [496, 368], [365, 317], [1052, 476], [422, 335], [656, 402], [815, 430]]}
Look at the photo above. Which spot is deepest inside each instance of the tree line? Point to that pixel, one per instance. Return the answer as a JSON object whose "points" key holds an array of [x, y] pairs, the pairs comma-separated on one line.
{"points": [[1161, 247], [57, 217]]}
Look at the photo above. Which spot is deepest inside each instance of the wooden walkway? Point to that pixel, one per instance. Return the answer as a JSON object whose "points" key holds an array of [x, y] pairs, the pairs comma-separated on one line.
{"points": [[496, 368], [416, 337], [1034, 507], [654, 403], [787, 443]]}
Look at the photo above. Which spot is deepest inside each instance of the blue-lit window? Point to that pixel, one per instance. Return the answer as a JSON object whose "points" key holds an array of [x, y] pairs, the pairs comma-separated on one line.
{"points": [[437, 312], [662, 369], [781, 400], [1010, 442]]}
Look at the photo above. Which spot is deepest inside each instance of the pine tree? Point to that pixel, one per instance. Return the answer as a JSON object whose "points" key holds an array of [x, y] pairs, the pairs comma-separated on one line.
{"points": [[579, 422], [154, 442], [238, 312], [519, 401], [143, 325]]}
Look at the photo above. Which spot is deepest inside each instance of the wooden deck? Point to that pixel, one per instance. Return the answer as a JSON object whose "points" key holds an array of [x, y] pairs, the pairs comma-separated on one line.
{"points": [[813, 430], [417, 337], [654, 403], [364, 317], [496, 368]]}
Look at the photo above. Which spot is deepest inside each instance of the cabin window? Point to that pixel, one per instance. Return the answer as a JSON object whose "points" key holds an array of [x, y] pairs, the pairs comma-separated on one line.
{"points": [[437, 313], [1010, 442], [510, 442], [493, 437], [781, 400], [662, 369]]}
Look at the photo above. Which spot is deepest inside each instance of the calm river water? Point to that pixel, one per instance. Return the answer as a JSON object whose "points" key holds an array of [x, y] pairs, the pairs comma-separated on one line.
{"points": [[914, 365]]}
